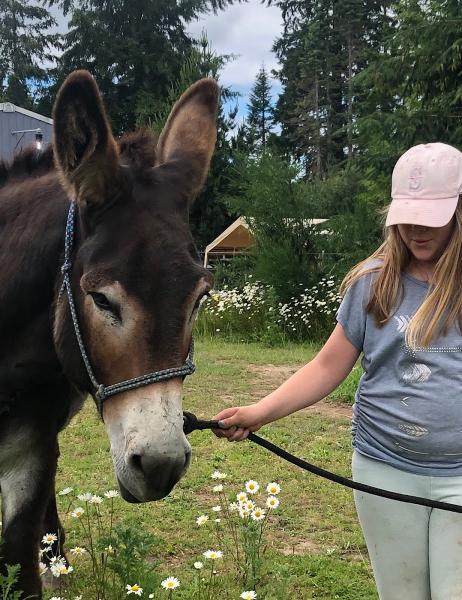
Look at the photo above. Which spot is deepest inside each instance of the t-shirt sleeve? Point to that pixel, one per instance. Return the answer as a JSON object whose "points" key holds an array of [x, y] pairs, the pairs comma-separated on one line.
{"points": [[352, 313]]}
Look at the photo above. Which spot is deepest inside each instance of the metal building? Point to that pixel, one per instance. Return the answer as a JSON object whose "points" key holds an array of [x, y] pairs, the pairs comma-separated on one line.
{"points": [[20, 127]]}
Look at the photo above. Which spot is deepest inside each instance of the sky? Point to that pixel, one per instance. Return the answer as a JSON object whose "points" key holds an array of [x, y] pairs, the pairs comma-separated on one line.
{"points": [[245, 30]]}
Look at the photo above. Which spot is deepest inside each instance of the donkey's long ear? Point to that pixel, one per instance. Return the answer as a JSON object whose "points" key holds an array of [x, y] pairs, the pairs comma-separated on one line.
{"points": [[190, 133], [85, 151]]}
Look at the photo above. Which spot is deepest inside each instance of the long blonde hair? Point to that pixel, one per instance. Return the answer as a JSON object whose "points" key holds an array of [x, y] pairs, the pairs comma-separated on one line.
{"points": [[442, 306]]}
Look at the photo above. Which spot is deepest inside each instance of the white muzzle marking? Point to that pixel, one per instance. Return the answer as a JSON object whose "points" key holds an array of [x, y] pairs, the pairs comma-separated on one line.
{"points": [[149, 449]]}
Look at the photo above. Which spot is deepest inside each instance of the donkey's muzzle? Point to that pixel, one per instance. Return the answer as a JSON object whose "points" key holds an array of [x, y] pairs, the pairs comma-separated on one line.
{"points": [[154, 477]]}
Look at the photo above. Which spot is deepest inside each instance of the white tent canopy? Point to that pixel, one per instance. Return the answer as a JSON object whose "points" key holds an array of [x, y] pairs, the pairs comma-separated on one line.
{"points": [[237, 239]]}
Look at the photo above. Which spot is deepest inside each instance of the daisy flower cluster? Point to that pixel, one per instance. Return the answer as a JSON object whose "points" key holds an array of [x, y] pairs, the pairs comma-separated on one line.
{"points": [[86, 510], [246, 301], [310, 310], [49, 561], [245, 515], [254, 309], [237, 310], [169, 584]]}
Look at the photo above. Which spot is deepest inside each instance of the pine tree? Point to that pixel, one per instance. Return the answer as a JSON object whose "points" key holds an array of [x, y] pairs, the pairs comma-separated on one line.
{"points": [[260, 117], [325, 45], [411, 91], [24, 46]]}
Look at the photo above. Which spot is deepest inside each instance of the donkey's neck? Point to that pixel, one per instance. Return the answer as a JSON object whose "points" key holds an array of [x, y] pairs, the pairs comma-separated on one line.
{"points": [[32, 222]]}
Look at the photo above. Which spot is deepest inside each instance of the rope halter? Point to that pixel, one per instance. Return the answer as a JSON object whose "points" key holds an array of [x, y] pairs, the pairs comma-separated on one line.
{"points": [[101, 391]]}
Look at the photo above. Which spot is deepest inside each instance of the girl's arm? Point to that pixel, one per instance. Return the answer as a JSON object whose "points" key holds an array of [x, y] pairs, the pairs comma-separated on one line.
{"points": [[308, 385]]}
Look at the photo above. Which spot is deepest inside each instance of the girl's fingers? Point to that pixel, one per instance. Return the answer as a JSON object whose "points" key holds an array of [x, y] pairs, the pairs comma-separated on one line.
{"points": [[224, 433], [225, 413], [239, 435]]}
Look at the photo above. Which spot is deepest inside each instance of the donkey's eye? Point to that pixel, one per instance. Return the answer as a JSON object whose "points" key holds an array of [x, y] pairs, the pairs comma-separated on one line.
{"points": [[102, 302]]}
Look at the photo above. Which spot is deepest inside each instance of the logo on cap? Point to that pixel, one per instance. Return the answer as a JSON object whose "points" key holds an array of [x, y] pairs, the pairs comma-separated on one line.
{"points": [[415, 179]]}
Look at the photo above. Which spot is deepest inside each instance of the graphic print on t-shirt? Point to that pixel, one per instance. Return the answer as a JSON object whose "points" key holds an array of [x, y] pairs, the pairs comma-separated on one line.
{"points": [[402, 322], [413, 430], [416, 373]]}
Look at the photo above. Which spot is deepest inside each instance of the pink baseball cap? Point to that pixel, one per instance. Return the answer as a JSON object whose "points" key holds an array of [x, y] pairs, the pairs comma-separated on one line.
{"points": [[425, 186]]}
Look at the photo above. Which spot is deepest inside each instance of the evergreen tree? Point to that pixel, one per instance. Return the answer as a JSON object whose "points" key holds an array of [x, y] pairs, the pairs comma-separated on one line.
{"points": [[323, 48], [260, 116], [411, 91], [24, 46]]}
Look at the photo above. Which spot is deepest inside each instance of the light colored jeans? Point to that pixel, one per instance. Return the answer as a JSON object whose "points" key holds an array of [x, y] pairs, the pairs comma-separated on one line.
{"points": [[416, 552]]}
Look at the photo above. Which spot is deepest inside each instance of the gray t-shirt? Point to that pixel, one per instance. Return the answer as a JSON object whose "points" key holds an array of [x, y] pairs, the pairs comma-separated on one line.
{"points": [[408, 406]]}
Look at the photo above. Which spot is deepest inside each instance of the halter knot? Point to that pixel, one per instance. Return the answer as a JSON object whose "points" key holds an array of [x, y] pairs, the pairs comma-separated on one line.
{"points": [[100, 392]]}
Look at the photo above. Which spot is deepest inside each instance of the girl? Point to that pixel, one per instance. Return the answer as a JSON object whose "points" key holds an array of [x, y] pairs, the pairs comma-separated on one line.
{"points": [[402, 309]]}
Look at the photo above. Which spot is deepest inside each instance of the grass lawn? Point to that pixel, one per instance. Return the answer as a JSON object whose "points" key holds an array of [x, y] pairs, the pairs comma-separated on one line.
{"points": [[314, 544]]}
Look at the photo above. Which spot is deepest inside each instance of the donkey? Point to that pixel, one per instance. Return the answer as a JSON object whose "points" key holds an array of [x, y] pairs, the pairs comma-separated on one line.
{"points": [[136, 281]]}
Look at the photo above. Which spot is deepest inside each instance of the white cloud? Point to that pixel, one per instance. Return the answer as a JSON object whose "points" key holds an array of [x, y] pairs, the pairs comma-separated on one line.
{"points": [[248, 30]]}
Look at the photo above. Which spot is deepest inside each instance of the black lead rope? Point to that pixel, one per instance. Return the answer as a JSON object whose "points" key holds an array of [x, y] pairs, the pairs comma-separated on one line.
{"points": [[192, 423]]}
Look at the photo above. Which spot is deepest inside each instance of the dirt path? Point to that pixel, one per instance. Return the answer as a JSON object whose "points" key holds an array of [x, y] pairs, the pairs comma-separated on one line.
{"points": [[267, 377]]}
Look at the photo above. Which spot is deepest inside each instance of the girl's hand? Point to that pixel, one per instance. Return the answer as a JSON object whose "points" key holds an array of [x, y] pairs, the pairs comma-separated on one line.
{"points": [[236, 423]]}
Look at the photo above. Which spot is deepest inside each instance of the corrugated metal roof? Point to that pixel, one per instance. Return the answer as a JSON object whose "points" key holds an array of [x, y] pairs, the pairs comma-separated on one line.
{"points": [[10, 107]]}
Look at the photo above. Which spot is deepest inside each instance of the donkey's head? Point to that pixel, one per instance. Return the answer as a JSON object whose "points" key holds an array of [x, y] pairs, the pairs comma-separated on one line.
{"points": [[136, 276]]}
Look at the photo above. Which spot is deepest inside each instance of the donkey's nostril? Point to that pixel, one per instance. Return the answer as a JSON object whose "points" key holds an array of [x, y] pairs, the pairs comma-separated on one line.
{"points": [[157, 473], [136, 463], [187, 459]]}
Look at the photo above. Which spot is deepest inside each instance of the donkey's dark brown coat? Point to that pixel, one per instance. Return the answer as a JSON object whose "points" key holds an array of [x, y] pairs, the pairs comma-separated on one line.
{"points": [[137, 282]]}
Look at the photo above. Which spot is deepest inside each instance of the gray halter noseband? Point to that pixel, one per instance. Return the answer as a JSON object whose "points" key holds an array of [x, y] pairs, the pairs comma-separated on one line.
{"points": [[102, 391]]}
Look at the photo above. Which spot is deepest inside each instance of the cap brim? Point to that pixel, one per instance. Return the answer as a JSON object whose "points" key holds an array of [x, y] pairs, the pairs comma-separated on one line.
{"points": [[428, 213]]}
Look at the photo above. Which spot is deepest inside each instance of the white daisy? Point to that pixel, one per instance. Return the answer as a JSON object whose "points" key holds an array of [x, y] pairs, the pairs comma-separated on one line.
{"points": [[198, 565], [134, 589], [86, 497], [243, 513], [65, 491], [202, 520], [250, 595], [170, 583], [95, 500], [49, 538], [112, 494], [272, 502], [273, 488], [252, 486], [258, 514], [249, 505], [213, 554], [241, 497]]}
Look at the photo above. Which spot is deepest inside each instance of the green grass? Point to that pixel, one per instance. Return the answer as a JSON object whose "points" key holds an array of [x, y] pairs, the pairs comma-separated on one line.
{"points": [[315, 547]]}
